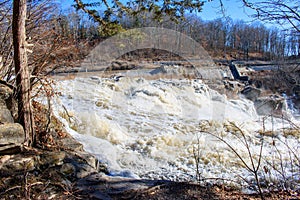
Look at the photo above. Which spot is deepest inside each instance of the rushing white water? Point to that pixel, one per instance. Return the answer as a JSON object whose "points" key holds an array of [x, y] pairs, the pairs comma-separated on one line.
{"points": [[156, 128], [290, 105]]}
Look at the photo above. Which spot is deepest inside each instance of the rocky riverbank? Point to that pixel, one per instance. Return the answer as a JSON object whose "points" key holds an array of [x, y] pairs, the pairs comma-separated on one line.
{"points": [[49, 170]]}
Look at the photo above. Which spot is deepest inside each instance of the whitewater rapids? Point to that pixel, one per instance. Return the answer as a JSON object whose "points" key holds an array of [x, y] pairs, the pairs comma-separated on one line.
{"points": [[157, 128]]}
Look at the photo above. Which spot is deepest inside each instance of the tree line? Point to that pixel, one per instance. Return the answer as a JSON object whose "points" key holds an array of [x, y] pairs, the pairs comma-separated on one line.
{"points": [[64, 37], [228, 36], [224, 36], [38, 37]]}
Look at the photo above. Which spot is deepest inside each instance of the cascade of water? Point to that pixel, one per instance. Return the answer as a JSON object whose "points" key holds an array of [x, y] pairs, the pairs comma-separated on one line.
{"points": [[150, 128], [290, 105]]}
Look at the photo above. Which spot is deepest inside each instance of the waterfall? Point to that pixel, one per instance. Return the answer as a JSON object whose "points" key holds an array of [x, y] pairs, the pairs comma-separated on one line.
{"points": [[290, 105]]}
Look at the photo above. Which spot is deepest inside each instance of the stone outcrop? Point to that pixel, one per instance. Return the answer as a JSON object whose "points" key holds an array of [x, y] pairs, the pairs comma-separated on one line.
{"points": [[251, 93], [49, 173], [5, 115], [121, 65], [232, 85], [72, 164], [11, 133], [272, 105]]}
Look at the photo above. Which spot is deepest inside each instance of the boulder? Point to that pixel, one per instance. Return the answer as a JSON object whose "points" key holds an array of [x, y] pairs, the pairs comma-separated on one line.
{"points": [[71, 143], [84, 163], [51, 158], [84, 170], [11, 133], [5, 91], [6, 99], [232, 85], [121, 65], [88, 159], [251, 93], [5, 115], [17, 164], [68, 169], [269, 106]]}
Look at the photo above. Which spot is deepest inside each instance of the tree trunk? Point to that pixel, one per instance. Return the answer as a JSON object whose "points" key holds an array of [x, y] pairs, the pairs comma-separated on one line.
{"points": [[22, 71]]}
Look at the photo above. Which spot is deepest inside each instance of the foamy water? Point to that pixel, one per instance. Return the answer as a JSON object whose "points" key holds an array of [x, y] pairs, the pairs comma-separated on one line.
{"points": [[154, 128]]}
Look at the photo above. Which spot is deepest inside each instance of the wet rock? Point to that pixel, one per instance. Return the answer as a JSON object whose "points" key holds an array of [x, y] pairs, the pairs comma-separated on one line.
{"points": [[89, 159], [84, 170], [84, 163], [232, 85], [100, 186], [269, 105], [71, 143], [251, 93], [102, 167]]}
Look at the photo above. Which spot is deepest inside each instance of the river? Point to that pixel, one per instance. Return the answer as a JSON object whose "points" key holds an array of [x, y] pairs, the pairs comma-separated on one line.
{"points": [[159, 128]]}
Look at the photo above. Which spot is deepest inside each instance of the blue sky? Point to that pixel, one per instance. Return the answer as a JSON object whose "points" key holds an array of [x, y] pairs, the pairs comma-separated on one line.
{"points": [[233, 9], [211, 9]]}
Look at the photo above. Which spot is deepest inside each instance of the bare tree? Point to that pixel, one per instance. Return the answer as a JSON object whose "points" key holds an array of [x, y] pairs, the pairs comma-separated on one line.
{"points": [[22, 71], [282, 12], [6, 46]]}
